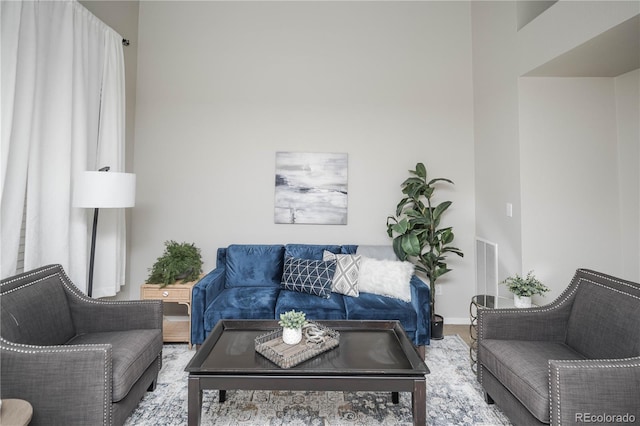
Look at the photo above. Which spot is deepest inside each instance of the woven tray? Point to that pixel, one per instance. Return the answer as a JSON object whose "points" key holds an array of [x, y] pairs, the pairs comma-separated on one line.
{"points": [[272, 347]]}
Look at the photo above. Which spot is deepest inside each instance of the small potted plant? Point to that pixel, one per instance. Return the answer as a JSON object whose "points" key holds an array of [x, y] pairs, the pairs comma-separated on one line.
{"points": [[292, 323], [180, 261], [524, 288]]}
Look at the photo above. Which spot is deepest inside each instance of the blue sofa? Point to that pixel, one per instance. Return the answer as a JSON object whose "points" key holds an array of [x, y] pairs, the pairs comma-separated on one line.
{"points": [[246, 284]]}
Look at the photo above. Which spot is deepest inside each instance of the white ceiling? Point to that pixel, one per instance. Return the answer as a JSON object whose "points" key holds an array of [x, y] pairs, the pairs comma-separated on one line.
{"points": [[612, 53]]}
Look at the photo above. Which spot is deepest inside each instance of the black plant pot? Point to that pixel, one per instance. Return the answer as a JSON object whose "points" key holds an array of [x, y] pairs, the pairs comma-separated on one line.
{"points": [[437, 327]]}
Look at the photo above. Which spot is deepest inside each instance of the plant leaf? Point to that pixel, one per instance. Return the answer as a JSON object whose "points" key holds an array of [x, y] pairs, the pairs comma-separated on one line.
{"points": [[411, 245]]}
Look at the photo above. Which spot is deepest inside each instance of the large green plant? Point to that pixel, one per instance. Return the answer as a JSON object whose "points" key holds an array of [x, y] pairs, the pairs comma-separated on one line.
{"points": [[179, 261], [415, 228]]}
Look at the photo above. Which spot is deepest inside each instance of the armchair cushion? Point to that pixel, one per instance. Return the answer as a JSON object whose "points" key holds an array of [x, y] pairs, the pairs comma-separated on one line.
{"points": [[133, 352], [595, 307], [522, 367], [37, 314]]}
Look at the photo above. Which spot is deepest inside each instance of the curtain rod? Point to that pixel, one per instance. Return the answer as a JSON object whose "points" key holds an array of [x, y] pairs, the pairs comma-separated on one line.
{"points": [[125, 42]]}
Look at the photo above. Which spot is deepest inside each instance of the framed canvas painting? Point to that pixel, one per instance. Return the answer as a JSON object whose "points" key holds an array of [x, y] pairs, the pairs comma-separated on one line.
{"points": [[311, 188]]}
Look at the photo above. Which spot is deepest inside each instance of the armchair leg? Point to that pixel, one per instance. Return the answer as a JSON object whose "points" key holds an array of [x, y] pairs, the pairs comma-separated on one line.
{"points": [[488, 399], [152, 386]]}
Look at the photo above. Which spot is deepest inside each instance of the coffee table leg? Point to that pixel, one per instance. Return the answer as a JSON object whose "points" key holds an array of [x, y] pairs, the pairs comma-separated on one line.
{"points": [[222, 397], [419, 402], [194, 401], [395, 397]]}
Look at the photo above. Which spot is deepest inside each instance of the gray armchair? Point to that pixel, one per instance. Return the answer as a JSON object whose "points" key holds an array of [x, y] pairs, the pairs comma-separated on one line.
{"points": [[78, 361], [576, 360]]}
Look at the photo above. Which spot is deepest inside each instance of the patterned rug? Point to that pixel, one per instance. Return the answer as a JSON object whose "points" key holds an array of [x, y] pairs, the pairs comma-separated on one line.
{"points": [[454, 397]]}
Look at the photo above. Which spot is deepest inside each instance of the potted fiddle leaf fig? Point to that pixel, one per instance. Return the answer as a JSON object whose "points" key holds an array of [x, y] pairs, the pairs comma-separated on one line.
{"points": [[418, 236], [180, 261]]}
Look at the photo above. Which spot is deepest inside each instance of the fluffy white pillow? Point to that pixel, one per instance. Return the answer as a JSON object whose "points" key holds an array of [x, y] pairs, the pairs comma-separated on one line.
{"points": [[386, 278]]}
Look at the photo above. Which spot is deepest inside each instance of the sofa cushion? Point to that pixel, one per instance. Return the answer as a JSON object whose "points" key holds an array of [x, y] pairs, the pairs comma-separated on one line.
{"points": [[377, 252], [242, 303], [133, 352], [38, 314], [370, 306], [591, 329], [345, 279], [315, 308], [254, 265], [308, 276], [386, 278], [523, 368], [309, 251]]}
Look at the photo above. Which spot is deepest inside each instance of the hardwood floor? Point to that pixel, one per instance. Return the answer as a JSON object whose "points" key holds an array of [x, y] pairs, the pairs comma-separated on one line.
{"points": [[462, 330]]}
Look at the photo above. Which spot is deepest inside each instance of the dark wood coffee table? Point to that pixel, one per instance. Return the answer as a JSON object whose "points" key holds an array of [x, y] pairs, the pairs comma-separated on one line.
{"points": [[372, 356]]}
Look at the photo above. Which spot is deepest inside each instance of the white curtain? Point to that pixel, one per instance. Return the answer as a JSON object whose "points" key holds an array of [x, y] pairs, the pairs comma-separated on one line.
{"points": [[62, 113]]}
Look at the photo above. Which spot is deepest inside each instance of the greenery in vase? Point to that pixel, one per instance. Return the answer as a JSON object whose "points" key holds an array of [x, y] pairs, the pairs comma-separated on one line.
{"points": [[525, 287], [415, 228], [292, 319], [179, 261]]}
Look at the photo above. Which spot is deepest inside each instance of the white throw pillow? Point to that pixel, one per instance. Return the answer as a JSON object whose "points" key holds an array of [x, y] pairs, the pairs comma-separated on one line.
{"points": [[345, 279], [386, 278]]}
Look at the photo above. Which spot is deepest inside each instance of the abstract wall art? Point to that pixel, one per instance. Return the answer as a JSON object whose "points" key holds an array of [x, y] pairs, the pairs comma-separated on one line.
{"points": [[311, 188]]}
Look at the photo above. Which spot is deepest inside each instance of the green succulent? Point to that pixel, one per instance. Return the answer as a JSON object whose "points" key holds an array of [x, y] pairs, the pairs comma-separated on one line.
{"points": [[525, 287], [292, 319]]}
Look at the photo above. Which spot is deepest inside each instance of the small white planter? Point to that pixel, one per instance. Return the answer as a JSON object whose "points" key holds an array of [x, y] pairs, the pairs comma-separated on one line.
{"points": [[522, 301], [291, 336]]}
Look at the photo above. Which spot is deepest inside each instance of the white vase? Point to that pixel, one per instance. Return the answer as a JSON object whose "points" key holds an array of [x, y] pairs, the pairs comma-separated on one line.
{"points": [[291, 336], [522, 301]]}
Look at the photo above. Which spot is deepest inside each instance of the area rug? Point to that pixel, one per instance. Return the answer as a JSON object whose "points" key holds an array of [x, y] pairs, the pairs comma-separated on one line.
{"points": [[454, 397]]}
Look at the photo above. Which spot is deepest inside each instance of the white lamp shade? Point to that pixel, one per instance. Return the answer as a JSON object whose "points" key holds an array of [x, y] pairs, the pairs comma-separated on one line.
{"points": [[105, 190]]}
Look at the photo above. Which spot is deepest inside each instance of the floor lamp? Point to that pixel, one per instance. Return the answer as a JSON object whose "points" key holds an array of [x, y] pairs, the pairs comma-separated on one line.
{"points": [[102, 190]]}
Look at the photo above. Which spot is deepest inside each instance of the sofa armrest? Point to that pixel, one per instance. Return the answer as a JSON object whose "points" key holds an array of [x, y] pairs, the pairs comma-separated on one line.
{"points": [[544, 323], [95, 316], [588, 391], [62, 383], [421, 301], [202, 295]]}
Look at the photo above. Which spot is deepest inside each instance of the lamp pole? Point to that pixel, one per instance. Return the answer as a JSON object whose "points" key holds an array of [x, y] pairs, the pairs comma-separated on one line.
{"points": [[93, 243]]}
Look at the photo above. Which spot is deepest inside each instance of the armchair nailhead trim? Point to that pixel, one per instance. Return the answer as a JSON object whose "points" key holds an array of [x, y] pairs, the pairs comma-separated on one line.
{"points": [[575, 364], [70, 287], [107, 407]]}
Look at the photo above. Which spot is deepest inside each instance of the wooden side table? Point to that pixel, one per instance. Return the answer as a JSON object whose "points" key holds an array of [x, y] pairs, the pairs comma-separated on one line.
{"points": [[173, 329], [15, 412]]}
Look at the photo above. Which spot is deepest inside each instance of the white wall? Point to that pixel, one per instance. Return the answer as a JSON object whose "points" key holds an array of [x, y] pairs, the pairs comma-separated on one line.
{"points": [[627, 91], [566, 25], [222, 86], [495, 86], [569, 176]]}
